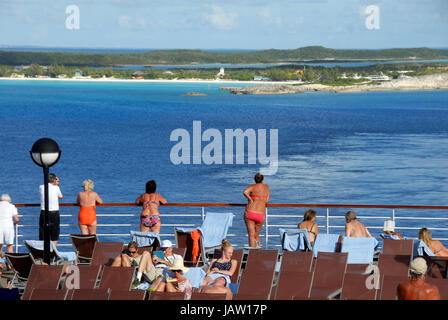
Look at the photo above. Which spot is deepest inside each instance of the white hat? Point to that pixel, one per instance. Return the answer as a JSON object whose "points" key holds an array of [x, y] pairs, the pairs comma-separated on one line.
{"points": [[418, 266], [178, 265], [389, 225], [166, 244]]}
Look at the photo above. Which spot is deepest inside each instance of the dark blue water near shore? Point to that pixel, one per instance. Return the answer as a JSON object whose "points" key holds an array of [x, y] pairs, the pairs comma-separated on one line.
{"points": [[355, 148]]}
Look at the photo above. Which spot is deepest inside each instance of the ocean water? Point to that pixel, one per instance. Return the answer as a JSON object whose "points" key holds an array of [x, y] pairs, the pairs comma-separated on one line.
{"points": [[352, 148]]}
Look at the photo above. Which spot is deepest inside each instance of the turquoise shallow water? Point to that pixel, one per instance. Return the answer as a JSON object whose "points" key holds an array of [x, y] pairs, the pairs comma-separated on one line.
{"points": [[356, 148]]}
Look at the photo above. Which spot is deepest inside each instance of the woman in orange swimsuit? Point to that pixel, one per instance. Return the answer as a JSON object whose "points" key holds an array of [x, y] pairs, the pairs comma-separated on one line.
{"points": [[87, 200], [258, 196], [150, 217]]}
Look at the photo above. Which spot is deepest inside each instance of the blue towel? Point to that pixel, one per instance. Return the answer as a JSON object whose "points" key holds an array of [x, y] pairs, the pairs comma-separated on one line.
{"points": [[325, 243], [185, 230], [196, 276], [234, 287], [214, 228], [144, 238], [421, 248], [360, 250], [294, 239], [39, 245], [388, 236]]}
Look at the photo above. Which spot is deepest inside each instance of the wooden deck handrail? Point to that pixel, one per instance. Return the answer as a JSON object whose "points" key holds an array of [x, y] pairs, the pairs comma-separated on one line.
{"points": [[275, 205]]}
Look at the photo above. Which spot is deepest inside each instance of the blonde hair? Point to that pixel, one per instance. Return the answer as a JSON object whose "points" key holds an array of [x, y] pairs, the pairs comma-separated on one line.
{"points": [[425, 235], [225, 245], [88, 185]]}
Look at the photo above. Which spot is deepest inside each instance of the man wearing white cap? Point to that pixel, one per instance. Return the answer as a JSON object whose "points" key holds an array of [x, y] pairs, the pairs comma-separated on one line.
{"points": [[8, 218], [417, 288], [389, 229]]}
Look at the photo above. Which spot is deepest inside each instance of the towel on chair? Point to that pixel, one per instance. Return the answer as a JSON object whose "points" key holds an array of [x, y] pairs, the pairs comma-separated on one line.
{"points": [[420, 248], [195, 235], [325, 243], [196, 276], [39, 245], [294, 239], [360, 250], [214, 228], [145, 238]]}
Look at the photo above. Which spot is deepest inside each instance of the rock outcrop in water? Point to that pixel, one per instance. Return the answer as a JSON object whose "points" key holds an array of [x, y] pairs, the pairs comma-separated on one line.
{"points": [[429, 82], [195, 94]]}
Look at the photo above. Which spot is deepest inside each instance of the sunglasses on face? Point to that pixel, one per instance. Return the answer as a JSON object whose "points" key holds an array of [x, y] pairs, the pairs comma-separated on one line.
{"points": [[132, 252]]}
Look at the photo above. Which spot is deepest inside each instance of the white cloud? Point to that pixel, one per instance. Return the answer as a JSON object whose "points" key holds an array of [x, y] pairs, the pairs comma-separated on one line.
{"points": [[221, 19]]}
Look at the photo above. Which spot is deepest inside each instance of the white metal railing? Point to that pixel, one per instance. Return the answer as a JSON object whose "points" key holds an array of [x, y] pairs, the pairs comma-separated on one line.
{"points": [[271, 235]]}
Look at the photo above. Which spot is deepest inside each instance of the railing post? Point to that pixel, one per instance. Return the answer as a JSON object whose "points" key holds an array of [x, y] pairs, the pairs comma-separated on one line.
{"points": [[203, 214], [328, 220], [17, 238], [266, 228], [393, 215]]}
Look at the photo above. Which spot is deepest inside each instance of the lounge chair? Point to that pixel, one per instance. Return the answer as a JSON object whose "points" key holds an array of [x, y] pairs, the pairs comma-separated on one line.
{"points": [[127, 295], [42, 277], [394, 265], [21, 264], [83, 246], [258, 275], [293, 283], [249, 296], [389, 285], [145, 239], [329, 275], [361, 250], [296, 261], [421, 249], [398, 247], [88, 276], [117, 278], [208, 296], [295, 240], [326, 243], [212, 231], [48, 294], [36, 249], [167, 295], [354, 288], [88, 294], [104, 253]]}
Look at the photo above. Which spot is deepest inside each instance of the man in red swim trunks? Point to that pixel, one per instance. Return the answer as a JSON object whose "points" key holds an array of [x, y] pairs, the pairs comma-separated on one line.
{"points": [[417, 288]]}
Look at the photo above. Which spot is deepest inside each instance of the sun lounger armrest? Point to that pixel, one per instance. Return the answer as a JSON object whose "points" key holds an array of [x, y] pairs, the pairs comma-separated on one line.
{"points": [[335, 294]]}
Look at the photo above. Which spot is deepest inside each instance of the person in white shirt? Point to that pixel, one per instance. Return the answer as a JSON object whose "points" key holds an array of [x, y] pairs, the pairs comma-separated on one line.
{"points": [[54, 194], [8, 218]]}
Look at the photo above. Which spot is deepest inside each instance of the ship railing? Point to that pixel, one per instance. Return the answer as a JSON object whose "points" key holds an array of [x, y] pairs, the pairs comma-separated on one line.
{"points": [[330, 218]]}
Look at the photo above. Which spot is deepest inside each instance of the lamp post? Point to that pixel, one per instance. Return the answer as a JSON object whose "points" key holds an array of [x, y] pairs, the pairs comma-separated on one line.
{"points": [[45, 153]]}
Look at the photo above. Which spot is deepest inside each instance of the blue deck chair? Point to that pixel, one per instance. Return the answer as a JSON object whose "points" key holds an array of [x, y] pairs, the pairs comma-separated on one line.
{"points": [[360, 250], [295, 239], [38, 245], [146, 238], [213, 230], [325, 243]]}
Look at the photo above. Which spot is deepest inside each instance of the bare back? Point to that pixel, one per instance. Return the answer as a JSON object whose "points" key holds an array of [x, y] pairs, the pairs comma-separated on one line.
{"points": [[88, 199], [355, 228], [312, 228], [438, 248], [150, 203], [417, 289], [258, 196]]}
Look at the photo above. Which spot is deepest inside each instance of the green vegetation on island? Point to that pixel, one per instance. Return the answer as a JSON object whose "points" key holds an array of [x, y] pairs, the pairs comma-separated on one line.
{"points": [[160, 57]]}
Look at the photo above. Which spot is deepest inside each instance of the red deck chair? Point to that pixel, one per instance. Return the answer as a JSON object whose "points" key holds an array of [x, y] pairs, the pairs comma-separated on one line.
{"points": [[258, 275], [105, 253], [117, 278], [389, 285], [329, 274], [88, 276], [394, 265], [208, 296], [167, 295], [21, 264], [300, 261], [127, 295], [294, 284], [48, 294], [398, 247], [88, 294], [355, 288], [42, 277], [83, 245]]}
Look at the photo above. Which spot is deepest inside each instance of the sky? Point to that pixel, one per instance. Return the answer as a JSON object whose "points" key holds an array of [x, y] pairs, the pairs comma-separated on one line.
{"points": [[224, 24]]}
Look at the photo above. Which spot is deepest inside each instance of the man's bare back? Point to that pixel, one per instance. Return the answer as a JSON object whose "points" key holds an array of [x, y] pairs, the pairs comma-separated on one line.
{"points": [[354, 228], [417, 289]]}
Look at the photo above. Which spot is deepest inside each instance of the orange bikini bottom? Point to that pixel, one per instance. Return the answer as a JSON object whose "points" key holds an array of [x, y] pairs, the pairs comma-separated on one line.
{"points": [[87, 215]]}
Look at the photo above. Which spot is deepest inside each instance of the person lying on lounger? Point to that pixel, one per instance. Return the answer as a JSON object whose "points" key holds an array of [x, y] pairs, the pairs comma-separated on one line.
{"points": [[218, 286]]}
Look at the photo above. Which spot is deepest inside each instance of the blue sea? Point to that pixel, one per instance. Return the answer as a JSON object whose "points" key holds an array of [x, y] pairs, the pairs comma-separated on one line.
{"points": [[342, 148]]}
